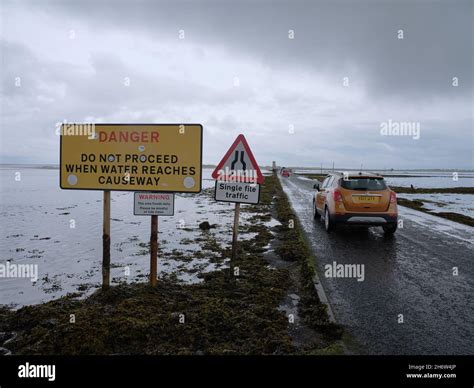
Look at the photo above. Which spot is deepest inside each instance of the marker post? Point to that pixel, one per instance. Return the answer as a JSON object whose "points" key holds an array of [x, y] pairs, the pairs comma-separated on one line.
{"points": [[235, 233], [106, 242], [153, 204], [153, 251]]}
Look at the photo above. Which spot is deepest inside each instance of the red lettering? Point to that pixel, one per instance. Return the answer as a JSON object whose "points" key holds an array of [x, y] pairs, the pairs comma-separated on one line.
{"points": [[123, 136]]}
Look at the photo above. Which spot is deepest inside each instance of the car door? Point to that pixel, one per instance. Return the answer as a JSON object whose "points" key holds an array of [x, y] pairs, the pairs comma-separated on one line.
{"points": [[321, 194], [324, 194]]}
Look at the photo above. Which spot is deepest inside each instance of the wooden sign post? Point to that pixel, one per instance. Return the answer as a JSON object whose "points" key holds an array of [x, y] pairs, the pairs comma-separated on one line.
{"points": [[153, 204], [154, 251], [106, 242], [235, 233]]}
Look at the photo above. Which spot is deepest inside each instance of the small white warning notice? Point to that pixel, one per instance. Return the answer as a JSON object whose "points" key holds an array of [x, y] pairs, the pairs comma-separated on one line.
{"points": [[153, 204]]}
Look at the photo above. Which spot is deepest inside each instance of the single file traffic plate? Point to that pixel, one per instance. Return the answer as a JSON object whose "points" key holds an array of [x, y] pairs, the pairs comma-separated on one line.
{"points": [[239, 192]]}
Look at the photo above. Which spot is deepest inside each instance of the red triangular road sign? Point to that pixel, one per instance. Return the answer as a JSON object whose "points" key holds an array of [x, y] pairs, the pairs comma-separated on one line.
{"points": [[238, 164]]}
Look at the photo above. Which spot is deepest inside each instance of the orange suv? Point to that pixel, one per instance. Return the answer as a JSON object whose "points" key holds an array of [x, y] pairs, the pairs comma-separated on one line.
{"points": [[355, 199]]}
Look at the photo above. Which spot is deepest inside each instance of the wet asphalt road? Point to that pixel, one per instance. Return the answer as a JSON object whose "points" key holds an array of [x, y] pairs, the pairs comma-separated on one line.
{"points": [[410, 273]]}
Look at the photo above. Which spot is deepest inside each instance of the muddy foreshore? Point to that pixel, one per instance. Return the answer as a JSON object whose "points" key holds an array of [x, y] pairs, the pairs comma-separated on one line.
{"points": [[271, 307], [419, 205]]}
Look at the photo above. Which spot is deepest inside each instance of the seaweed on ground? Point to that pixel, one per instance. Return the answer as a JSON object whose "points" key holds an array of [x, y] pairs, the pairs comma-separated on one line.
{"points": [[224, 314]]}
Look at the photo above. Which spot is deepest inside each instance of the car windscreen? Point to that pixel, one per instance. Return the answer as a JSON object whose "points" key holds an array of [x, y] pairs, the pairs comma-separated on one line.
{"points": [[363, 184]]}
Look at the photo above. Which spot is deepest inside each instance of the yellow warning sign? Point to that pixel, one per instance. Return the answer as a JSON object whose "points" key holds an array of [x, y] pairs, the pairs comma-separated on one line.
{"points": [[131, 157]]}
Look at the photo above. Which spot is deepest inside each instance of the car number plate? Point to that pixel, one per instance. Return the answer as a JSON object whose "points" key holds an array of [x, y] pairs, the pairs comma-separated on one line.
{"points": [[365, 199]]}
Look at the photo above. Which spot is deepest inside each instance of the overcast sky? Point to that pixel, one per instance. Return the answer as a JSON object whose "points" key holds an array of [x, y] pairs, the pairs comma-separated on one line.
{"points": [[232, 66]]}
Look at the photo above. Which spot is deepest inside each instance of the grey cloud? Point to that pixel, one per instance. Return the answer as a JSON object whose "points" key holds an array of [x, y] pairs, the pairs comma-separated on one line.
{"points": [[332, 40], [353, 39]]}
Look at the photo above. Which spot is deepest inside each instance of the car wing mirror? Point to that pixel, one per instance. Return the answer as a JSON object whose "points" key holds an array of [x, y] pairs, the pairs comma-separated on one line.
{"points": [[316, 186]]}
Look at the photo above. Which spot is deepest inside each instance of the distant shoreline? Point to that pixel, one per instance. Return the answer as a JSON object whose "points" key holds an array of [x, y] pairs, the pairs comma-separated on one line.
{"points": [[37, 166], [6, 166], [47, 166]]}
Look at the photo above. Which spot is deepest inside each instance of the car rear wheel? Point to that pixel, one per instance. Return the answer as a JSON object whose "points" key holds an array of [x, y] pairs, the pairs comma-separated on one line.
{"points": [[389, 229], [328, 224], [316, 215]]}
